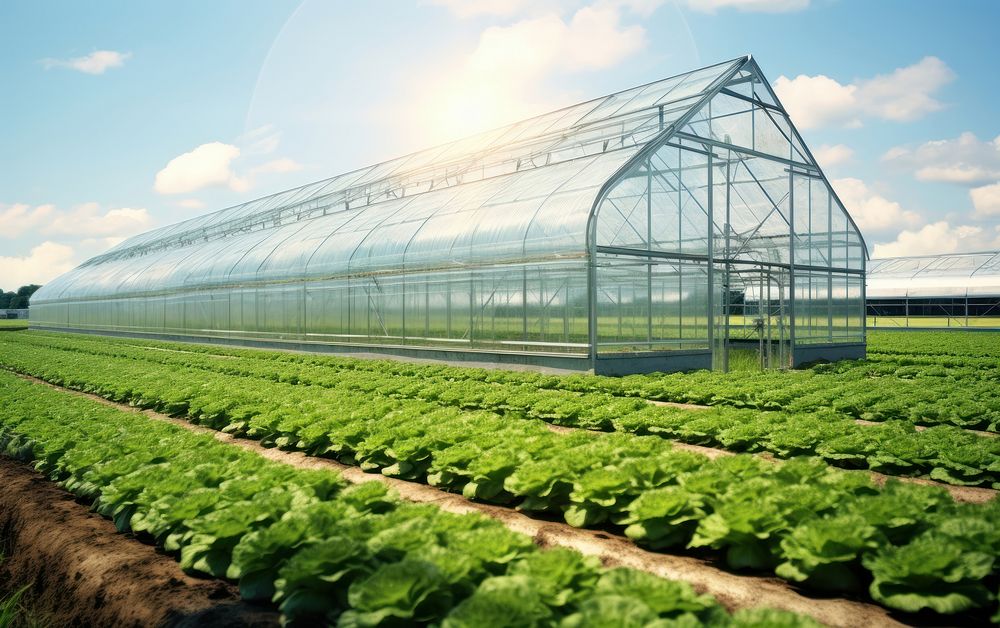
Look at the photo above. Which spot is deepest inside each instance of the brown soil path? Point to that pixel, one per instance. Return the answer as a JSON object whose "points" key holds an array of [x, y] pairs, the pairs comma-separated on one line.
{"points": [[83, 573], [732, 590]]}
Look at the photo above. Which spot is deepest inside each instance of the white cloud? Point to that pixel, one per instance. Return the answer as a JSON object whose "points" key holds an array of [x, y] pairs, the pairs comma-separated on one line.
{"points": [[904, 95], [812, 101], [86, 220], [20, 218], [208, 165], [756, 6], [871, 211], [191, 203], [829, 156], [96, 62], [965, 160], [214, 165], [939, 238], [592, 39], [45, 262], [499, 81], [986, 199]]}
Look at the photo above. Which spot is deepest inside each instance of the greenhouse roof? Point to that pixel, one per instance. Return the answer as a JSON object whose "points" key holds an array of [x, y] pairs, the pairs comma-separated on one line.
{"points": [[926, 276]]}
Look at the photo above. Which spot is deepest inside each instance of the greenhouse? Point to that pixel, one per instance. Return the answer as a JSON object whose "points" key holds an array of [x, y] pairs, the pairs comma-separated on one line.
{"points": [[664, 227], [932, 291]]}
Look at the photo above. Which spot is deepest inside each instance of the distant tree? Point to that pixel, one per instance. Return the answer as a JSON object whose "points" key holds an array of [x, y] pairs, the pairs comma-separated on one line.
{"points": [[17, 300], [28, 290]]}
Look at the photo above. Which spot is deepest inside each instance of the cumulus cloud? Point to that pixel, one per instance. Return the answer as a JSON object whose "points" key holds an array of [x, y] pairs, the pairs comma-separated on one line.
{"points": [[748, 6], [86, 220], [986, 200], [939, 238], [500, 80], [89, 220], [208, 165], [213, 165], [905, 94], [21, 218], [870, 210], [43, 263], [832, 155], [964, 160], [592, 39], [96, 62]]}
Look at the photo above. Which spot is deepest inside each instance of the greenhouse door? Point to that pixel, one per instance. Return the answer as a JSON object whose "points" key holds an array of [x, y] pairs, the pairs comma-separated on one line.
{"points": [[755, 323]]}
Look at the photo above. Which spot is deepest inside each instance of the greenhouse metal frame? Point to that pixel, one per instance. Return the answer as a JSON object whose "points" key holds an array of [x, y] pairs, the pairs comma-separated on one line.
{"points": [[659, 228], [958, 290]]}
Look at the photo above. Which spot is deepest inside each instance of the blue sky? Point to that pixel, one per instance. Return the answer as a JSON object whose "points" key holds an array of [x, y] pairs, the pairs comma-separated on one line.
{"points": [[122, 116]]}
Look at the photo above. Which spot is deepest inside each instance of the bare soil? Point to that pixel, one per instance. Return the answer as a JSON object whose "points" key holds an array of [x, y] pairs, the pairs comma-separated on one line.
{"points": [[732, 590], [82, 572]]}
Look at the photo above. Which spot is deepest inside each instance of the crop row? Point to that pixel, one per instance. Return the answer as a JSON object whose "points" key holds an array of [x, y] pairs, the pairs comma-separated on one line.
{"points": [[352, 556], [944, 453], [882, 391], [963, 343], [911, 546]]}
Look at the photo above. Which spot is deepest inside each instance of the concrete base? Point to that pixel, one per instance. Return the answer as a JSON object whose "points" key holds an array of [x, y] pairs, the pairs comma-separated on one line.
{"points": [[804, 354], [653, 362], [553, 362]]}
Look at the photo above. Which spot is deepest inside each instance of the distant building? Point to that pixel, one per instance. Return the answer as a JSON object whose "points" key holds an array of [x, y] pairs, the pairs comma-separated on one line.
{"points": [[954, 290]]}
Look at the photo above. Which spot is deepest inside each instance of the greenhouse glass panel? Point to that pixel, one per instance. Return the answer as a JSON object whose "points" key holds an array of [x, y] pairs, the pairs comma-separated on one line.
{"points": [[658, 228]]}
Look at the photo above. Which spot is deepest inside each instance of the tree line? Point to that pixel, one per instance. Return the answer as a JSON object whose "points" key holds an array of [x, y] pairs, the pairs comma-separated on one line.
{"points": [[17, 300]]}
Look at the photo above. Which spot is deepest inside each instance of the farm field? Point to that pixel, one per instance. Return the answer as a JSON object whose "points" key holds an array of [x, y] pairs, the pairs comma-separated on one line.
{"points": [[871, 482]]}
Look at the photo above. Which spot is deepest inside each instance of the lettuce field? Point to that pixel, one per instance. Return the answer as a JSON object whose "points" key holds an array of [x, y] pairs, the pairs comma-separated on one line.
{"points": [[852, 493]]}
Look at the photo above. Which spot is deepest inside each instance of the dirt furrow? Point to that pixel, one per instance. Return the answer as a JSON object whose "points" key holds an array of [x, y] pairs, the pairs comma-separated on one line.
{"points": [[81, 572]]}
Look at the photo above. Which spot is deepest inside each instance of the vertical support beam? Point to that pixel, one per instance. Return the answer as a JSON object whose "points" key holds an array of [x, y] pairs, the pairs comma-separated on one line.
{"points": [[791, 267], [711, 260], [524, 303], [829, 260], [592, 294], [727, 278], [680, 275], [649, 247]]}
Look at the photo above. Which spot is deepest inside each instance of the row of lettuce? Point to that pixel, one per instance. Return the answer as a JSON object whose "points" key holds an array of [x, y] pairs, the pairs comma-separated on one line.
{"points": [[910, 546], [971, 343], [943, 453], [322, 551], [923, 389]]}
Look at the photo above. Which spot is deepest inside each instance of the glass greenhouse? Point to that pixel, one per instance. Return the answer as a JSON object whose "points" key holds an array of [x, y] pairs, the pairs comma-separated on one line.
{"points": [[658, 228], [957, 290]]}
